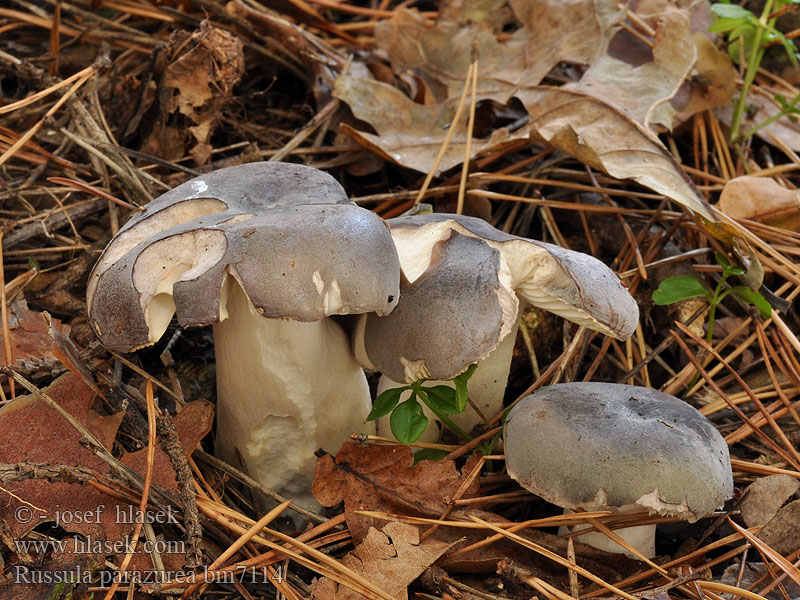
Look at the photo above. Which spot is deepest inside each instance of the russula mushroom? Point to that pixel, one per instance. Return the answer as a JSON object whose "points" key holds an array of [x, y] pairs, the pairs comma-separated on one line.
{"points": [[597, 446], [266, 252], [463, 285]]}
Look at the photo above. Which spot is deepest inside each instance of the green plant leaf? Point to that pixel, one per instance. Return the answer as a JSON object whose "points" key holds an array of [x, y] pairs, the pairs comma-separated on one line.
{"points": [[724, 25], [429, 454], [408, 421], [443, 398], [754, 298], [675, 289], [385, 402], [730, 11], [461, 386]]}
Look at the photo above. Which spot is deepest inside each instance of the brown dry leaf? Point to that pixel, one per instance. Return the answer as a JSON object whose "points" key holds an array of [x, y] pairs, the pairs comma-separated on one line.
{"points": [[31, 346], [40, 435], [384, 478], [195, 87], [494, 13], [553, 31], [605, 139], [765, 496], [391, 559], [782, 533], [762, 105], [712, 84], [409, 133], [761, 199], [640, 81]]}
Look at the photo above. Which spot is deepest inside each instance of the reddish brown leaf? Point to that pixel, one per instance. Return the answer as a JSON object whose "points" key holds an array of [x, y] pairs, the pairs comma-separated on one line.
{"points": [[384, 478]]}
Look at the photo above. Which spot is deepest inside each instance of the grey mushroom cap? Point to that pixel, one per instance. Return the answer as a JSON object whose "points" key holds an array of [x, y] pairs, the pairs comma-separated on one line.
{"points": [[453, 315], [457, 306], [287, 233], [603, 444], [571, 284]]}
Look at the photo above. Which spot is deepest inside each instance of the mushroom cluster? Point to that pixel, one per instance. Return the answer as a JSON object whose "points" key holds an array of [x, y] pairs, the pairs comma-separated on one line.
{"points": [[464, 284], [597, 446], [266, 252]]}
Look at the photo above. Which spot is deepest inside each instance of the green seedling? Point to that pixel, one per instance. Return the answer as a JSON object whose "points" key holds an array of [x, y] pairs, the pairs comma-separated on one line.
{"points": [[748, 38], [408, 420], [675, 289]]}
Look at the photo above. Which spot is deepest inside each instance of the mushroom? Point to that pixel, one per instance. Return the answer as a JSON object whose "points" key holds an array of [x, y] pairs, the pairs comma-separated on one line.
{"points": [[464, 283], [598, 446], [266, 252]]}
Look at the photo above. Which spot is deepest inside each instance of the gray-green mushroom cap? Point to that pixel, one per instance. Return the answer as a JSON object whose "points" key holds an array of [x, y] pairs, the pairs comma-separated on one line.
{"points": [[287, 233], [591, 445]]}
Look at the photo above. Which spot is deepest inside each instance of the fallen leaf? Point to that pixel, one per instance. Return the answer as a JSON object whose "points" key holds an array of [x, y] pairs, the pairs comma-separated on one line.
{"points": [[782, 532], [642, 88], [32, 349], [712, 84], [764, 497], [408, 133], [40, 435], [195, 86], [552, 32], [604, 138], [384, 478], [391, 559], [761, 199]]}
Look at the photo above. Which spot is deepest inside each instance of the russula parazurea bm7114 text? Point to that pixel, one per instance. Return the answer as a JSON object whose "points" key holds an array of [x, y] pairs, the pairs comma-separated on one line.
{"points": [[266, 252]]}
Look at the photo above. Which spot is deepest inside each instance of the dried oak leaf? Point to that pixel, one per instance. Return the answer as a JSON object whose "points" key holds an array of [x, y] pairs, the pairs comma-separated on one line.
{"points": [[31, 346], [599, 135], [552, 32], [41, 435], [782, 533], [638, 80], [384, 478], [764, 497], [411, 134], [761, 199], [195, 87], [391, 559], [712, 83]]}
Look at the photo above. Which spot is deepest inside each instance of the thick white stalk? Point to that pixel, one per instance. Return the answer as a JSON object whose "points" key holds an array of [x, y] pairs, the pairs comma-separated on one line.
{"points": [[641, 537], [486, 389], [284, 390]]}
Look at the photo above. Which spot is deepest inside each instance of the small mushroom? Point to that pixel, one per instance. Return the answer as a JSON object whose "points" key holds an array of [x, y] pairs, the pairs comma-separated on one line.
{"points": [[266, 252], [464, 283], [597, 446]]}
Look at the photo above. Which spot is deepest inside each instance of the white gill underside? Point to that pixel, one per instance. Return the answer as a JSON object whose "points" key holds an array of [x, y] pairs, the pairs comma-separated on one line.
{"points": [[522, 264], [181, 212], [164, 263], [285, 389]]}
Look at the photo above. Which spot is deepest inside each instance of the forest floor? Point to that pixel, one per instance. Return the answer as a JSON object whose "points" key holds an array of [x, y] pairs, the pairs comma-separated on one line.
{"points": [[631, 133]]}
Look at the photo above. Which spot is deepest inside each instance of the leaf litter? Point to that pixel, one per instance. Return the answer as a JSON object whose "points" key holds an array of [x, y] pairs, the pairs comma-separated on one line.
{"points": [[578, 106]]}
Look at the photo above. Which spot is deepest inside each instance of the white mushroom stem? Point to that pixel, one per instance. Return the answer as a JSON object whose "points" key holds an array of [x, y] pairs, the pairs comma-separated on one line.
{"points": [[486, 389], [284, 390], [641, 537]]}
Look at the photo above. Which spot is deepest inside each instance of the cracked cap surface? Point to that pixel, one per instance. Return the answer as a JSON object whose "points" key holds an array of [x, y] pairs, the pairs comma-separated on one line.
{"points": [[287, 233]]}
